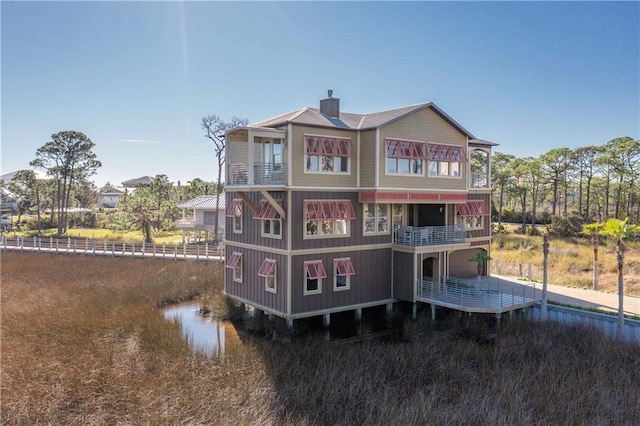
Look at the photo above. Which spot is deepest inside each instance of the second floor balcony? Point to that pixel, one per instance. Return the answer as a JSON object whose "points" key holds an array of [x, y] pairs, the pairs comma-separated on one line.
{"points": [[262, 174], [429, 235]]}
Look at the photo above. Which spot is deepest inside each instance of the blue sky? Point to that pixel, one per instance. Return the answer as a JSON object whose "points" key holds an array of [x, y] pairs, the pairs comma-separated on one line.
{"points": [[136, 77]]}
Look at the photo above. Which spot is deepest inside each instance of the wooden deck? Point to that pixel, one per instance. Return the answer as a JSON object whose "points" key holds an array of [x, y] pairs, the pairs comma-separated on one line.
{"points": [[487, 295]]}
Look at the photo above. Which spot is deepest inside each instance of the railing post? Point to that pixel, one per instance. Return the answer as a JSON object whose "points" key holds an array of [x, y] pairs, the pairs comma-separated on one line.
{"points": [[184, 250], [75, 246], [163, 250], [175, 252], [113, 249], [57, 245], [21, 243], [86, 244], [133, 249], [143, 245], [206, 250], [197, 251], [154, 250], [105, 246], [68, 243], [124, 248], [50, 243], [94, 247]]}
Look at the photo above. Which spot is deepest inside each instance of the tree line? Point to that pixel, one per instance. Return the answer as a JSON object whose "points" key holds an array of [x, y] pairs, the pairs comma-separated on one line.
{"points": [[588, 184]]}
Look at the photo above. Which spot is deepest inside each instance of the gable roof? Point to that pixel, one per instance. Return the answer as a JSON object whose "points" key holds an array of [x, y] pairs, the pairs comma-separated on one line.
{"points": [[141, 181], [351, 121], [204, 202]]}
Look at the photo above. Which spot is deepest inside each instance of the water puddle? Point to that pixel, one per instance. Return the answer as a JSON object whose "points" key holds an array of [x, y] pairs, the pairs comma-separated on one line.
{"points": [[204, 333]]}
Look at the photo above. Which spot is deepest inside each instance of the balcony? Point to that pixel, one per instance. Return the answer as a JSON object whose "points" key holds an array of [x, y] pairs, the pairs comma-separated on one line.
{"points": [[263, 174], [484, 295], [429, 235]]}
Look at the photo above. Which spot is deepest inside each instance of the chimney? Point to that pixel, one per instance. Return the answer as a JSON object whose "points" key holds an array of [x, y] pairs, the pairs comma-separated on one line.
{"points": [[330, 106]]}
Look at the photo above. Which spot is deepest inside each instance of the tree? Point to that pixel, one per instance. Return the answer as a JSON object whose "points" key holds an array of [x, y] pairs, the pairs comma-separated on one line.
{"points": [[593, 230], [620, 230], [31, 193], [67, 158], [557, 162], [586, 157], [502, 172], [481, 258], [215, 128]]}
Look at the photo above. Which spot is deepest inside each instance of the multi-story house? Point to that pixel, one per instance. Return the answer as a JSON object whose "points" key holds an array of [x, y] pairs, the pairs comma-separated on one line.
{"points": [[330, 211]]}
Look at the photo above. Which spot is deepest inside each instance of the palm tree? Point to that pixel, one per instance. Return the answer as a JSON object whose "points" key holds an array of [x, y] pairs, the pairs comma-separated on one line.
{"points": [[481, 257], [620, 230], [594, 229]]}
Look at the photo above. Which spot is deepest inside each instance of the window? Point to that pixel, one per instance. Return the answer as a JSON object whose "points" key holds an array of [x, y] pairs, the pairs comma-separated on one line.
{"points": [[235, 212], [326, 154], [405, 157], [470, 222], [479, 169], [376, 218], [314, 273], [235, 263], [398, 216], [471, 214], [342, 271], [271, 221], [327, 218], [444, 160], [268, 272]]}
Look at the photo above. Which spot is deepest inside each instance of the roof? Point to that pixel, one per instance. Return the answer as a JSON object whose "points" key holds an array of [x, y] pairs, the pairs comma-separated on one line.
{"points": [[7, 177], [203, 202], [482, 142], [110, 190], [141, 181], [352, 121]]}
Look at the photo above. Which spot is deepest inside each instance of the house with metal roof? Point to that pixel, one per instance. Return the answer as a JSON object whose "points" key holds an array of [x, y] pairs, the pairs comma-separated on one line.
{"points": [[202, 218], [329, 211]]}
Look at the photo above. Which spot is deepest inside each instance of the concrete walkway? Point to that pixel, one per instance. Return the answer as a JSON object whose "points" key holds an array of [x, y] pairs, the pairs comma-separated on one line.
{"points": [[577, 296]]}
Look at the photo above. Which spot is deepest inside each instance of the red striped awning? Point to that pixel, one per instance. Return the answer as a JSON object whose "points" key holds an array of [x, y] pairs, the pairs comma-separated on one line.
{"points": [[472, 208], [438, 152], [329, 210], [233, 260], [235, 208], [315, 270], [328, 145], [398, 148], [265, 211], [267, 267], [344, 267]]}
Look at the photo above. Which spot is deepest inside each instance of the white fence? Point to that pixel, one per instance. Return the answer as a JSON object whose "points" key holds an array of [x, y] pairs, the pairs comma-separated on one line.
{"points": [[606, 323], [113, 248]]}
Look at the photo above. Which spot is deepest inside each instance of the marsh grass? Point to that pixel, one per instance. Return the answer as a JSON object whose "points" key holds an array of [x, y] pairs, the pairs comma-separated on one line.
{"points": [[84, 342], [570, 261]]}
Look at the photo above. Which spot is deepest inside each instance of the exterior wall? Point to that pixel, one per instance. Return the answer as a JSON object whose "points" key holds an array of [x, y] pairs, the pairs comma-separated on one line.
{"points": [[371, 282], [332, 180], [252, 228], [403, 278], [200, 219], [486, 230], [459, 264], [236, 149], [357, 238], [367, 159], [253, 286], [424, 125]]}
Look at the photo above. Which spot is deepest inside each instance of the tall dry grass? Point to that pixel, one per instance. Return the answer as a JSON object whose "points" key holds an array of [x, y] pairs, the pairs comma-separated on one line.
{"points": [[84, 342]]}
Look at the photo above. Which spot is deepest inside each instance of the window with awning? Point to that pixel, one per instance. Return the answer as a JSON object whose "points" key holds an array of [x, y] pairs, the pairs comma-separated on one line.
{"points": [[450, 153], [472, 208], [267, 267], [315, 270], [329, 210], [265, 211], [328, 145], [344, 267], [233, 260], [399, 148], [235, 208]]}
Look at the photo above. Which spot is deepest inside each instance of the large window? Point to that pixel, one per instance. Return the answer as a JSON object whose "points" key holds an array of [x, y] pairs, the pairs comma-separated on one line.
{"points": [[268, 272], [235, 213], [376, 218], [327, 154], [479, 169], [235, 263], [327, 218], [314, 273], [405, 157], [444, 160], [471, 214], [342, 272], [398, 216]]}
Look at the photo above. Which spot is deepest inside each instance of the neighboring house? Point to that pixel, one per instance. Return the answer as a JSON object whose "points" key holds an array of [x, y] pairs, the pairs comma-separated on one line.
{"points": [[330, 211], [108, 197], [203, 218], [137, 182], [8, 202]]}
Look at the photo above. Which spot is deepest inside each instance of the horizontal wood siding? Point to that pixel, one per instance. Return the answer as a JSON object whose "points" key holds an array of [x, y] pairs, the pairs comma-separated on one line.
{"points": [[371, 282], [253, 286], [368, 159], [252, 228], [297, 216], [298, 166], [403, 279]]}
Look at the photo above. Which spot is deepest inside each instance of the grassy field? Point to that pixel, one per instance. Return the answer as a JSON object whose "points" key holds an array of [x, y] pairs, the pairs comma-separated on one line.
{"points": [[168, 237], [570, 261], [84, 342]]}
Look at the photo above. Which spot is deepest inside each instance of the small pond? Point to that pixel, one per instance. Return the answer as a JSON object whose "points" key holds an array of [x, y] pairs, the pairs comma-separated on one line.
{"points": [[204, 333]]}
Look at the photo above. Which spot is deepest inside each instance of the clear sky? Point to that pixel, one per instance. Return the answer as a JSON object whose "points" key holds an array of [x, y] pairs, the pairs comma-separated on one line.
{"points": [[136, 77]]}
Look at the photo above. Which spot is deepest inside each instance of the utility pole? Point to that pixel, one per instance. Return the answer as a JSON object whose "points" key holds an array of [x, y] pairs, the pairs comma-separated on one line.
{"points": [[545, 265]]}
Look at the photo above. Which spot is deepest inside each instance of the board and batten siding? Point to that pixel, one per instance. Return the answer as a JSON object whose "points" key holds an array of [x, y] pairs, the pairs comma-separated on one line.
{"points": [[403, 278], [357, 238], [301, 178], [252, 228], [371, 282], [252, 287]]}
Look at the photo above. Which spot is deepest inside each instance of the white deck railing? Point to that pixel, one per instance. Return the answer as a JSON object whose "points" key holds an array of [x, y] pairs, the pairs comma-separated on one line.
{"points": [[429, 235]]}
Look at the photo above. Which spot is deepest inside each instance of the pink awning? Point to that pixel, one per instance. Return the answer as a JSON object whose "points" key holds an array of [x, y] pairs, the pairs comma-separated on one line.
{"points": [[265, 211], [472, 208], [398, 148], [330, 146], [267, 267], [236, 206], [437, 152], [329, 210], [315, 270], [344, 267], [233, 260]]}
